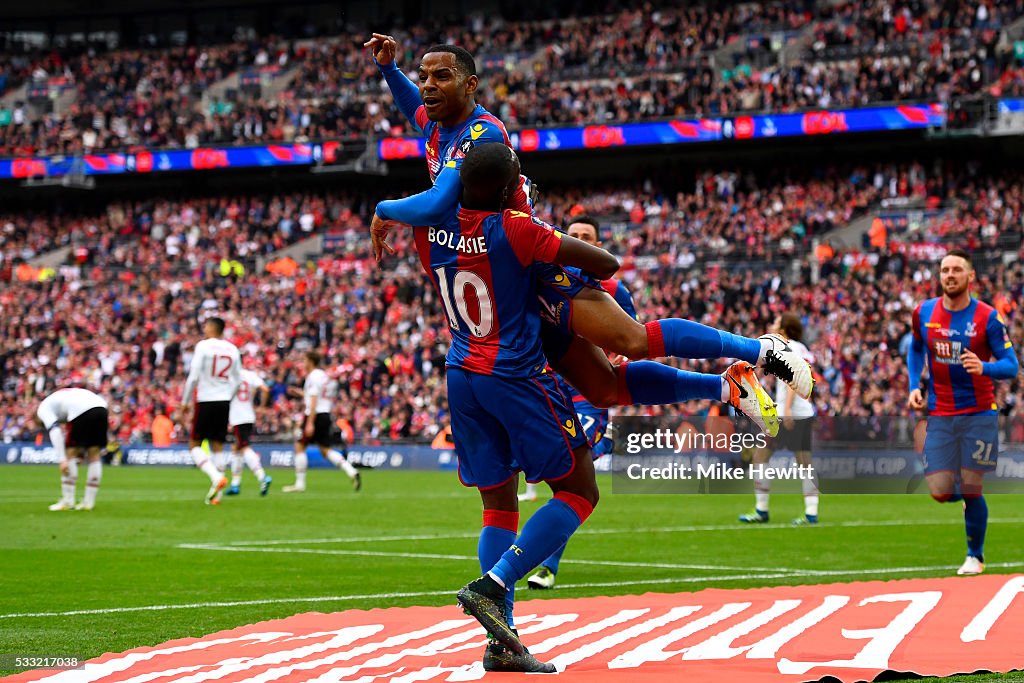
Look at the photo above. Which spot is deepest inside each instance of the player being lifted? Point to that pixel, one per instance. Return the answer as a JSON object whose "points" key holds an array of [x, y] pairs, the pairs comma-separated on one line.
{"points": [[318, 392], [85, 415], [444, 109], [242, 420], [794, 434], [967, 347], [213, 376]]}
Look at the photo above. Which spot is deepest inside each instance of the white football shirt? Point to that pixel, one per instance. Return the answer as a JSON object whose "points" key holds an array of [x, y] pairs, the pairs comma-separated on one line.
{"points": [[242, 410], [319, 391], [801, 406], [214, 373], [65, 405]]}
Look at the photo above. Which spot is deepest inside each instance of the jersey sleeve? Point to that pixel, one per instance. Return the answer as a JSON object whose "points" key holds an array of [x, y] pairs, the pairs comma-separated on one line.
{"points": [[530, 238], [193, 374], [426, 208], [46, 414], [406, 94], [915, 356], [1006, 364]]}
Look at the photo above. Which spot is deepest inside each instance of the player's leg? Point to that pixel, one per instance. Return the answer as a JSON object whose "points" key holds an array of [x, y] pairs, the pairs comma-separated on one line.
{"points": [[301, 465], [941, 459], [335, 457], [202, 429], [93, 477], [237, 464], [587, 368], [548, 443], [68, 480], [217, 458], [762, 490], [530, 494], [808, 483], [595, 425], [485, 461], [597, 317], [243, 439], [979, 449]]}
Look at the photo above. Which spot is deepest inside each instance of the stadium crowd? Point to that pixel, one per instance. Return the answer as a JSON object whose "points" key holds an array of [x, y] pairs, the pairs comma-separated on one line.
{"points": [[640, 62], [121, 318]]}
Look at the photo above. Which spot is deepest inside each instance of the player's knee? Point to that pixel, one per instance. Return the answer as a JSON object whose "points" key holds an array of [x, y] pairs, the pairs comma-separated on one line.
{"points": [[942, 496], [604, 396], [634, 342]]}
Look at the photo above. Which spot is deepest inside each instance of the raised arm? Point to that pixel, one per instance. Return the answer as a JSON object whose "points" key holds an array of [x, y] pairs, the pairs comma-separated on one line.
{"points": [[534, 240], [405, 92]]}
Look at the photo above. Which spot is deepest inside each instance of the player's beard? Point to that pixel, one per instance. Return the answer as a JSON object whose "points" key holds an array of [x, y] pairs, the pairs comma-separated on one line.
{"points": [[954, 290]]}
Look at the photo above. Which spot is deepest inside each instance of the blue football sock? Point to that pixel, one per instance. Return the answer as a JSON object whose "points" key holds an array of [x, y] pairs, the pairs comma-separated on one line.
{"points": [[688, 339], [494, 541], [653, 384], [547, 531], [553, 560], [976, 522]]}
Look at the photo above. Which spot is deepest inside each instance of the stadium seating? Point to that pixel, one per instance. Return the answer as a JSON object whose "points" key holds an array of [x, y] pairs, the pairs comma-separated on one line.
{"points": [[632, 65]]}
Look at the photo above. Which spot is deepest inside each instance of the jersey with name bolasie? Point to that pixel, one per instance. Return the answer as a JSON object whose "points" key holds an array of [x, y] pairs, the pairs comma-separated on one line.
{"points": [[482, 264]]}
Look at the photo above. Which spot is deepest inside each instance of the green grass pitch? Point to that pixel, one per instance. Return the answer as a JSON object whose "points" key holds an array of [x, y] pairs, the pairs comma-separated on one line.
{"points": [[128, 552]]}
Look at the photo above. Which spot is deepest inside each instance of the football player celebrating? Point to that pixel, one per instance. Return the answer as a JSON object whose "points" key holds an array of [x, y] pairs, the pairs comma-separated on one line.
{"points": [[967, 349]]}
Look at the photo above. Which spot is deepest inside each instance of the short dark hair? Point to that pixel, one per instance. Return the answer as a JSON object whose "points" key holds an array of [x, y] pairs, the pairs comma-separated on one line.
{"points": [[313, 357], [960, 253], [216, 322], [588, 220], [488, 168], [791, 326], [463, 59]]}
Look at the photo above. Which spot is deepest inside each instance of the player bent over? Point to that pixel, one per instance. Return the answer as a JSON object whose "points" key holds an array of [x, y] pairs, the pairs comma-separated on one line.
{"points": [[318, 393], [794, 435], [85, 414], [967, 347], [213, 375], [242, 420]]}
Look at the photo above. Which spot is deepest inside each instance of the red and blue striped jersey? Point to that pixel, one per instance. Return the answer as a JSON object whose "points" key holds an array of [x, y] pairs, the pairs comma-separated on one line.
{"points": [[944, 335], [482, 265]]}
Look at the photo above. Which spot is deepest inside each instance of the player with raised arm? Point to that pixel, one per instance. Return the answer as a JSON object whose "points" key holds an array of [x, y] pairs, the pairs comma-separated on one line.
{"points": [[242, 421], [444, 109], [85, 415], [794, 434], [318, 392], [213, 376], [966, 347]]}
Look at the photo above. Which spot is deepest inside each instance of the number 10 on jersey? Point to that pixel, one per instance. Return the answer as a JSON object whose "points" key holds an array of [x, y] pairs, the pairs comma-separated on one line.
{"points": [[463, 281]]}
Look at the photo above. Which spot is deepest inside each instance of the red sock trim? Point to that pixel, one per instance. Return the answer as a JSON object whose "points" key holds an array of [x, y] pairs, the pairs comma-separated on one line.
{"points": [[623, 397], [580, 505], [655, 341], [502, 519]]}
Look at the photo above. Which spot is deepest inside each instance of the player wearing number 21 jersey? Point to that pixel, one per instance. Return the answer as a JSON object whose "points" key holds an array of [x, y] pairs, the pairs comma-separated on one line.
{"points": [[213, 376]]}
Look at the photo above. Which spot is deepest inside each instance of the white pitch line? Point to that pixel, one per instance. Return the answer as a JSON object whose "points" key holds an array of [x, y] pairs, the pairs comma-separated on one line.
{"points": [[599, 531], [380, 596], [449, 591], [460, 558]]}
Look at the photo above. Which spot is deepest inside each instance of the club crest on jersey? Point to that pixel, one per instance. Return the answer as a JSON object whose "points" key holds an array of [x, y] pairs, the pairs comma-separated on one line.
{"points": [[970, 330]]}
